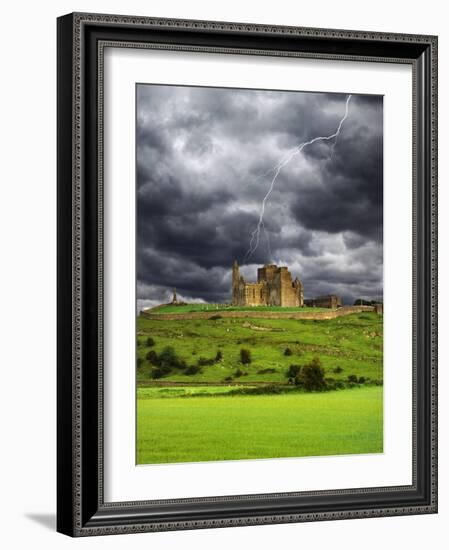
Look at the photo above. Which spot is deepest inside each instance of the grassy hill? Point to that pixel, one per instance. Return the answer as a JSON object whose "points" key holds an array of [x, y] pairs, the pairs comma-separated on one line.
{"points": [[351, 345]]}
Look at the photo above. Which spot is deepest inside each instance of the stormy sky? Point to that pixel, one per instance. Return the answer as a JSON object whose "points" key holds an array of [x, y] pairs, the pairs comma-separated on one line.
{"points": [[204, 157]]}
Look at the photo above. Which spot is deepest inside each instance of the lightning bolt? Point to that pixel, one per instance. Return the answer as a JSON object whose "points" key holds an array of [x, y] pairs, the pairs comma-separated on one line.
{"points": [[276, 170]]}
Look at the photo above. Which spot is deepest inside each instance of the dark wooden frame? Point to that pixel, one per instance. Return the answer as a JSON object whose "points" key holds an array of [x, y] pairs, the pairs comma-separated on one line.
{"points": [[81, 509]]}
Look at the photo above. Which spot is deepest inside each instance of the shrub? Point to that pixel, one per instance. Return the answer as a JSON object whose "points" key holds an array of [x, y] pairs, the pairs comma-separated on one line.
{"points": [[260, 390], [228, 379], [192, 369], [150, 342], [288, 352], [245, 356], [203, 362], [311, 376], [159, 372], [353, 378], [219, 356], [139, 362], [215, 317], [238, 373], [169, 358], [293, 371], [152, 357], [337, 370], [330, 383], [362, 380], [267, 371]]}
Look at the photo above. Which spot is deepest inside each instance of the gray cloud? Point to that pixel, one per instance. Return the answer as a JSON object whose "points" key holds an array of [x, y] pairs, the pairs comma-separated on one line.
{"points": [[201, 158]]}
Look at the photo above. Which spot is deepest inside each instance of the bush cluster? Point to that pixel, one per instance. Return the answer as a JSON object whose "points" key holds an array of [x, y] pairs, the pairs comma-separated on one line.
{"points": [[165, 362], [352, 379]]}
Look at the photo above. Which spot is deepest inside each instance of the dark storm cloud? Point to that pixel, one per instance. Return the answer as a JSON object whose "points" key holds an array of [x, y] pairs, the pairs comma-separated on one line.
{"points": [[202, 158]]}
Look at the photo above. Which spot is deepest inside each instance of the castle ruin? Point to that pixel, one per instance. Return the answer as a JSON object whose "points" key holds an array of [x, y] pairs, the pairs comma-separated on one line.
{"points": [[274, 287]]}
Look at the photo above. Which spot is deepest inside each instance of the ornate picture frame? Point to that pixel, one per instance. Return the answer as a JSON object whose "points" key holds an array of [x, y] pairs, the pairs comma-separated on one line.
{"points": [[81, 507]]}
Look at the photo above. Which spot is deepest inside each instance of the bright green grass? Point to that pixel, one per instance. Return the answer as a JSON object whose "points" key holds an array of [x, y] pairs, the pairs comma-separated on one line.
{"points": [[353, 343], [216, 308], [265, 426]]}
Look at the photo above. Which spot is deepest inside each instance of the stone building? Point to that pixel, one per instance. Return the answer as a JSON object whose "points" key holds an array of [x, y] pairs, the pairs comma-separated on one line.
{"points": [[330, 301], [274, 287]]}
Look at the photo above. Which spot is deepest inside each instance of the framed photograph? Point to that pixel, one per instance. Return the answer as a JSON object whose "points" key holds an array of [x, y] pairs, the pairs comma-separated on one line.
{"points": [[247, 282]]}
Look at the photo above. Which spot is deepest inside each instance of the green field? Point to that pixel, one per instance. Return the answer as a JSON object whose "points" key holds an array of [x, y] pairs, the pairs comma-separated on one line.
{"points": [[214, 308], [196, 429], [208, 415]]}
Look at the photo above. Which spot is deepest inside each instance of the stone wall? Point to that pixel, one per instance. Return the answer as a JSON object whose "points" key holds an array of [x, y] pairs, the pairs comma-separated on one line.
{"points": [[307, 315]]}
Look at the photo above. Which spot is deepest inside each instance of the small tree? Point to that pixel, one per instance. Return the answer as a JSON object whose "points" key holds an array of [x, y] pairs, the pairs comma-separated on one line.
{"points": [[245, 356], [238, 373], [152, 357], [150, 342], [288, 352], [293, 371], [219, 356], [352, 378], [311, 377]]}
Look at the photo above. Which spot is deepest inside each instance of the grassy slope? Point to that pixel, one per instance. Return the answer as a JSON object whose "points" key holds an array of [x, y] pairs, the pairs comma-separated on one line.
{"points": [[354, 343], [243, 427]]}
